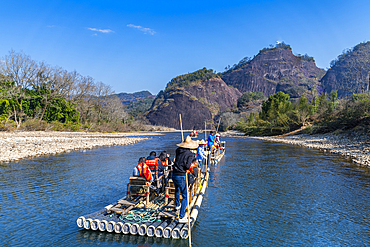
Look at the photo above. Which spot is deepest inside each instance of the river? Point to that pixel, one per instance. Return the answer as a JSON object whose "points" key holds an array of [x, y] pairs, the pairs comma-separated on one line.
{"points": [[260, 194]]}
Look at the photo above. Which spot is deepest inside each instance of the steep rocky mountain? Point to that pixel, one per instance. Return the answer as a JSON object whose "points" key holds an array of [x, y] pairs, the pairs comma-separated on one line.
{"points": [[197, 96], [275, 69], [130, 97], [349, 73]]}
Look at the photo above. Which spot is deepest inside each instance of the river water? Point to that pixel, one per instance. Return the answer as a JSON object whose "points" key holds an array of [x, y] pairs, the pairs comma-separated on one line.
{"points": [[260, 194]]}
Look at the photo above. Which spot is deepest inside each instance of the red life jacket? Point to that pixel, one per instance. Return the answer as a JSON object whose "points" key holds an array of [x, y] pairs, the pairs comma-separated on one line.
{"points": [[144, 171], [153, 164]]}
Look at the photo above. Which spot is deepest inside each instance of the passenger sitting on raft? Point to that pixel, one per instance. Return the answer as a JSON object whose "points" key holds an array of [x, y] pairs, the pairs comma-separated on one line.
{"points": [[192, 173], [155, 164], [217, 139], [166, 161], [142, 170]]}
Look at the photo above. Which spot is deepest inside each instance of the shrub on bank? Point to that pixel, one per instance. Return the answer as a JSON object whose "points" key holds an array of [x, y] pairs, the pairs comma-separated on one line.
{"points": [[35, 125], [326, 112]]}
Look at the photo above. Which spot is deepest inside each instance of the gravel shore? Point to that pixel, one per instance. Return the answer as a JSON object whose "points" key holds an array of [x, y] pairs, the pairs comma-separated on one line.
{"points": [[350, 144], [19, 145]]}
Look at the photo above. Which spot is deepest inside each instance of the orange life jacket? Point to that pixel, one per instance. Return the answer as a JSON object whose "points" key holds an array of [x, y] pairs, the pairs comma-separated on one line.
{"points": [[153, 164], [192, 166], [144, 171], [165, 164]]}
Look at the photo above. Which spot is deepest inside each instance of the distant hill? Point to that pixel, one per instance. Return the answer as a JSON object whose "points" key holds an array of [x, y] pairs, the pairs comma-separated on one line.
{"points": [[275, 69], [130, 97], [197, 96], [140, 107], [349, 73]]}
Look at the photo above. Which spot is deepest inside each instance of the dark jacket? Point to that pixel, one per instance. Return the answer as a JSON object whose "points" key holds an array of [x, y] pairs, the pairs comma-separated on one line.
{"points": [[184, 157]]}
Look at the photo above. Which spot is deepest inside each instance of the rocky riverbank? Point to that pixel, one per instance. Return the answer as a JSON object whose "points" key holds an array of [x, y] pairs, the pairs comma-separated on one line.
{"points": [[19, 145], [350, 144]]}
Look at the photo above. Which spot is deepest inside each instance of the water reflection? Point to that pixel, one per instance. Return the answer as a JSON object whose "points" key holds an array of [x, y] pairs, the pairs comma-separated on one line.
{"points": [[95, 237]]}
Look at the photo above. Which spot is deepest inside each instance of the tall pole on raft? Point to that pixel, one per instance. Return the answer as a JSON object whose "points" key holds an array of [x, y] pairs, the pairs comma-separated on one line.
{"points": [[218, 124], [187, 195], [182, 133], [205, 130]]}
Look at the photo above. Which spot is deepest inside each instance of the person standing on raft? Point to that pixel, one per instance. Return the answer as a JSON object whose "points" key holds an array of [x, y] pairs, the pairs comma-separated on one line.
{"points": [[184, 158], [201, 155], [211, 142]]}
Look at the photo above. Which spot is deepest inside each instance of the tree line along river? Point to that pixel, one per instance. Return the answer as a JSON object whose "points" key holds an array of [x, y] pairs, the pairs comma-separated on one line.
{"points": [[260, 194]]}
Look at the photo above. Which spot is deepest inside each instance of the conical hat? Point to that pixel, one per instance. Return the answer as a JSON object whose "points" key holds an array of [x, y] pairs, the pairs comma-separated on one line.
{"points": [[202, 142], [188, 143]]}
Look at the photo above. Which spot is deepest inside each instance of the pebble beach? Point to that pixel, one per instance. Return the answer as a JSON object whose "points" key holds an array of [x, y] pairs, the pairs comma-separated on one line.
{"points": [[354, 145], [19, 145]]}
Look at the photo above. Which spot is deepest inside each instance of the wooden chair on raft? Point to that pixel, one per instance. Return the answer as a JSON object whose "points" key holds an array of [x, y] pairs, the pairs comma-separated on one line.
{"points": [[140, 187]]}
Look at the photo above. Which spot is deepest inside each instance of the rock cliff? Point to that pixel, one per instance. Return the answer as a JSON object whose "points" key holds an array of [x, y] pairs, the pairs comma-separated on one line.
{"points": [[275, 69], [349, 73], [197, 96]]}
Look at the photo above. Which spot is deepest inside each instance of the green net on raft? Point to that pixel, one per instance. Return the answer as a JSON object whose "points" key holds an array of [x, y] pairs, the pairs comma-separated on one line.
{"points": [[141, 215]]}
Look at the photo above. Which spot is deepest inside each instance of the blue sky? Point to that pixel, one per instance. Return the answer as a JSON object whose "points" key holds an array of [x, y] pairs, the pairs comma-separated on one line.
{"points": [[142, 45]]}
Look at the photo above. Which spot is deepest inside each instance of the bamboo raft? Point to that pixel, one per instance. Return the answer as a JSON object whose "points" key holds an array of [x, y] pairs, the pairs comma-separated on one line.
{"points": [[218, 154], [147, 213]]}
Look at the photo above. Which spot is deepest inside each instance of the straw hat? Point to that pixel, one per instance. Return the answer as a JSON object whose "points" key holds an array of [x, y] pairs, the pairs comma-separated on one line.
{"points": [[202, 142], [217, 134], [188, 143]]}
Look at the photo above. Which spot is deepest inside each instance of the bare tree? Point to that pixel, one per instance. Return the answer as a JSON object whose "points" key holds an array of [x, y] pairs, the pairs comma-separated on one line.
{"points": [[21, 70], [52, 83], [102, 93], [83, 97], [113, 110]]}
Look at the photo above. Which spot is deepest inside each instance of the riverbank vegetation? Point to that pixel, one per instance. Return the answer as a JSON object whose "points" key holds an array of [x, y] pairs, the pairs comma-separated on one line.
{"points": [[323, 113], [37, 96]]}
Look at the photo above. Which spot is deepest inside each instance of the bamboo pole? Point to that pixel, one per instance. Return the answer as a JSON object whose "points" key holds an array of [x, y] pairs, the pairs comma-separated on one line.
{"points": [[185, 231], [187, 191], [182, 133], [205, 131], [218, 125]]}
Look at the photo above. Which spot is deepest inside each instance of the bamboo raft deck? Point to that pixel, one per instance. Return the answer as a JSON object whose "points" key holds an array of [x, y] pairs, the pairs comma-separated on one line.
{"points": [[147, 214]]}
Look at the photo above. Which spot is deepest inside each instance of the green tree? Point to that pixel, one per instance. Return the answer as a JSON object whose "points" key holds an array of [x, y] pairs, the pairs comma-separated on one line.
{"points": [[275, 109], [248, 97]]}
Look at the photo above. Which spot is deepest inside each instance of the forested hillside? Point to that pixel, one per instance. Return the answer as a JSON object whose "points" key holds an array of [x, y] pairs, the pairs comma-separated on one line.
{"points": [[127, 98]]}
